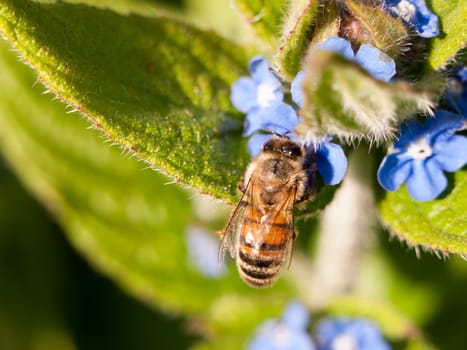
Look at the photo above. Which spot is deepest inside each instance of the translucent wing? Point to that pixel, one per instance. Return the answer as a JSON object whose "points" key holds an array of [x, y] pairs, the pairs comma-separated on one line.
{"points": [[232, 230], [276, 230]]}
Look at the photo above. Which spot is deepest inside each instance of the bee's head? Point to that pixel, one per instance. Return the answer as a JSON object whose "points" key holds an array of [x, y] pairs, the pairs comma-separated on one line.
{"points": [[283, 145]]}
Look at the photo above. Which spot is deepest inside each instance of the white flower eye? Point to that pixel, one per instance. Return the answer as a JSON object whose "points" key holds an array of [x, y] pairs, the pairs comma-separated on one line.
{"points": [[406, 10], [265, 95], [420, 149]]}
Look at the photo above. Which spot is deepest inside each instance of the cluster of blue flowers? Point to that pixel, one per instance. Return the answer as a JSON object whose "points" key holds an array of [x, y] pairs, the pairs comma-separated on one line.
{"points": [[290, 333], [261, 97], [421, 154]]}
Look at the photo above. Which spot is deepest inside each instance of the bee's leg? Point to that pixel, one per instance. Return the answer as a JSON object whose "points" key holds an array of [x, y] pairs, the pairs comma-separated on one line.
{"points": [[312, 184], [241, 185]]}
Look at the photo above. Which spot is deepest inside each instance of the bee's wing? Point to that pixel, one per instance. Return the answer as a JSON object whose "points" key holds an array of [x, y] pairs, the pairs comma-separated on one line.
{"points": [[278, 225], [232, 230]]}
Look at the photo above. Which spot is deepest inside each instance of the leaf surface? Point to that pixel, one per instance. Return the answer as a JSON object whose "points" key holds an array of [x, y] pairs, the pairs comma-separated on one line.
{"points": [[129, 221], [439, 225], [156, 86], [265, 17], [453, 37]]}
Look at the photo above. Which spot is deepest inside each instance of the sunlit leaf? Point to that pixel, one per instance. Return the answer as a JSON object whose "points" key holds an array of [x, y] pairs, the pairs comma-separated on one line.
{"points": [[265, 17], [453, 37], [156, 86], [128, 220], [439, 225]]}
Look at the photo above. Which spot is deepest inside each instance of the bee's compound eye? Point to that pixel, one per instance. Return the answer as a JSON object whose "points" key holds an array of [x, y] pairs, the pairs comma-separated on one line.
{"points": [[267, 146], [295, 151], [291, 150], [286, 150]]}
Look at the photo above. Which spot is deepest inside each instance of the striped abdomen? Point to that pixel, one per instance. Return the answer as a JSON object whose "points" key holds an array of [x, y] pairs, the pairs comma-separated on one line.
{"points": [[262, 250]]}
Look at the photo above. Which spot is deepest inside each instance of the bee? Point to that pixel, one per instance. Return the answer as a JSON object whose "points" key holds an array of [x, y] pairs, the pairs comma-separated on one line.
{"points": [[260, 232]]}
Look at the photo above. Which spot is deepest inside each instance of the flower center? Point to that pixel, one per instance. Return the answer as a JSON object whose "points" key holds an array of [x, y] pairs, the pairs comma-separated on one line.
{"points": [[265, 95], [420, 149], [406, 10], [344, 342]]}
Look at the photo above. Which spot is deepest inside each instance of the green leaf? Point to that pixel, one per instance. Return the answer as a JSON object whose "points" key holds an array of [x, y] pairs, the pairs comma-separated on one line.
{"points": [[129, 221], [327, 23], [342, 99], [264, 16], [296, 35], [157, 87], [378, 28], [439, 225], [453, 37]]}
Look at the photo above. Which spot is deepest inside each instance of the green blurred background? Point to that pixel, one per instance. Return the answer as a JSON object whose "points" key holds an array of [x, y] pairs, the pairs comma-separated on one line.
{"points": [[51, 299]]}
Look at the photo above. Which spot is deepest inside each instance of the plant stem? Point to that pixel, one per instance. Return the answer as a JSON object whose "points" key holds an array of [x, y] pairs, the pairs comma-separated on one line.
{"points": [[346, 225]]}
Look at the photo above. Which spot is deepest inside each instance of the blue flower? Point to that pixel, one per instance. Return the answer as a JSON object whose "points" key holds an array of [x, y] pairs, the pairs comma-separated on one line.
{"points": [[345, 333], [457, 91], [417, 15], [203, 249], [279, 118], [261, 98], [259, 91], [330, 159], [374, 61], [422, 153], [288, 333]]}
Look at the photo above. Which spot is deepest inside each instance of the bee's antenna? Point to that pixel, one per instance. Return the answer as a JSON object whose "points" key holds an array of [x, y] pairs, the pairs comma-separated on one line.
{"points": [[277, 134]]}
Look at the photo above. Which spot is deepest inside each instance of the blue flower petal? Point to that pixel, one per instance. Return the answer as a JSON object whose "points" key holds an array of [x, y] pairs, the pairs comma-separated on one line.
{"points": [[279, 118], [282, 119], [296, 88], [426, 23], [409, 133], [339, 45], [279, 337], [451, 155], [457, 91], [344, 333], [417, 15], [259, 69], [255, 143], [296, 316], [288, 333], [332, 163], [442, 126], [394, 170], [264, 78], [426, 181], [262, 90], [243, 94], [376, 62], [461, 74]]}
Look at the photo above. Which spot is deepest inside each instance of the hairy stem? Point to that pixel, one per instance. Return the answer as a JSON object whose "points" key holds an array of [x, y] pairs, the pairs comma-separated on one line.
{"points": [[346, 225]]}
